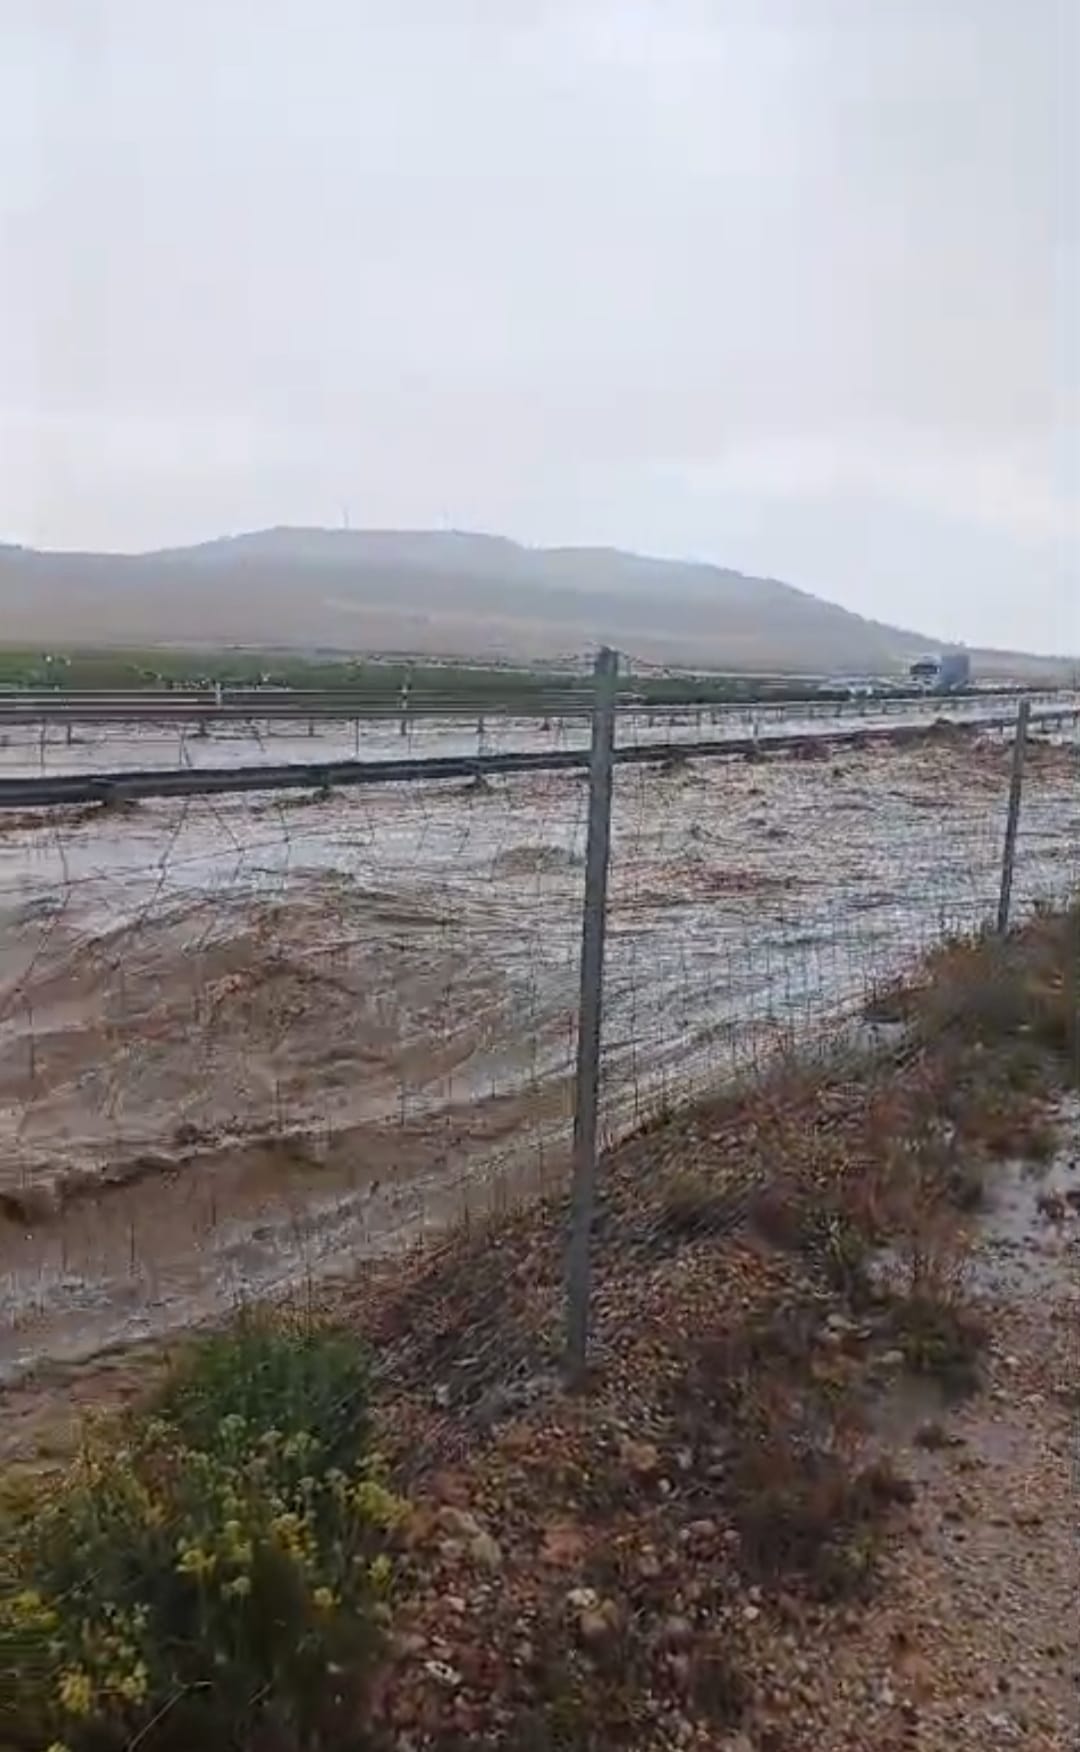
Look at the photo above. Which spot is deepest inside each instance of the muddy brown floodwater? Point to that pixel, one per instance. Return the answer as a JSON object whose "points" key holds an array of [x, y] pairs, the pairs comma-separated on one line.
{"points": [[245, 1040]]}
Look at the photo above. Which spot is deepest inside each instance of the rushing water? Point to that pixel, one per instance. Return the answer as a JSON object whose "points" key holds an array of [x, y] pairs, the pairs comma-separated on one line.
{"points": [[244, 1039]]}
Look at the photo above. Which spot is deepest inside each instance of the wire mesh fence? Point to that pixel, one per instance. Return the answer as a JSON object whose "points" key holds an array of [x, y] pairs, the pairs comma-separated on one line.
{"points": [[247, 1041], [760, 905]]}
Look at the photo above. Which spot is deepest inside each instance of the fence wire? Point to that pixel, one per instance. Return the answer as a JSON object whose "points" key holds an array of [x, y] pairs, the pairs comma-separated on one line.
{"points": [[245, 1042], [758, 906]]}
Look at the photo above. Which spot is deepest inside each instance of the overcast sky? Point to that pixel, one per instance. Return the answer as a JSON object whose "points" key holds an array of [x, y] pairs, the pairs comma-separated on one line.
{"points": [[790, 285]]}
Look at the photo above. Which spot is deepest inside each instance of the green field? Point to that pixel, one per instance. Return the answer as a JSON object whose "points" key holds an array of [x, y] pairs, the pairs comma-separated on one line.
{"points": [[79, 670]]}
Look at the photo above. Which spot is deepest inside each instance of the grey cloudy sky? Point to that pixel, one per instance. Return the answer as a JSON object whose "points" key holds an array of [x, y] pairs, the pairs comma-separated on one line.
{"points": [[786, 284]]}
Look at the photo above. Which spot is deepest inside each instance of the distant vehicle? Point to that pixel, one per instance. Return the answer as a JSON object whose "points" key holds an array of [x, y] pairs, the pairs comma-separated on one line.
{"points": [[955, 671], [947, 673]]}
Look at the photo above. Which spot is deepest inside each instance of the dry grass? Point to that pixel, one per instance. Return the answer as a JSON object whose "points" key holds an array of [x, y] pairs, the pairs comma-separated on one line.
{"points": [[803, 1509], [695, 1203], [942, 1338], [775, 1398], [930, 1316], [1019, 990]]}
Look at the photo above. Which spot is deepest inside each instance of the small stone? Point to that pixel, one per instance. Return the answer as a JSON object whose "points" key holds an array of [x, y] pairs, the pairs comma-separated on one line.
{"points": [[676, 1632], [640, 1458], [917, 1674], [442, 1673], [956, 1511], [702, 1530], [593, 1628], [600, 1624], [563, 1546], [751, 1613], [679, 1667], [1024, 1516], [459, 1523], [892, 1359], [486, 1551], [450, 1488]]}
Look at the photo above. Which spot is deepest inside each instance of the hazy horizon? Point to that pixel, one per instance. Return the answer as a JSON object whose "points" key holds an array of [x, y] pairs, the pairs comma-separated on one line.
{"points": [[791, 294]]}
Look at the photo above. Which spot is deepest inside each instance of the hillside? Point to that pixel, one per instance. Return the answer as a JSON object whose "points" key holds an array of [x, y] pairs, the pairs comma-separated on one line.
{"points": [[444, 593]]}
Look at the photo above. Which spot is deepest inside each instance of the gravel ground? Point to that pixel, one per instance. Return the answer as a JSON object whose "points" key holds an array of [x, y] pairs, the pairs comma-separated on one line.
{"points": [[973, 1642]]}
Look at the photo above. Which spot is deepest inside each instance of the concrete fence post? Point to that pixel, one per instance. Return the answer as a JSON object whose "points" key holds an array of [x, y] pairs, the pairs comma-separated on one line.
{"points": [[587, 1089], [1012, 825]]}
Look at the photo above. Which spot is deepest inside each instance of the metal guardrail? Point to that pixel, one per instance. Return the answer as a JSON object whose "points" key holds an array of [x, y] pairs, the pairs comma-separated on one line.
{"points": [[204, 707], [134, 784]]}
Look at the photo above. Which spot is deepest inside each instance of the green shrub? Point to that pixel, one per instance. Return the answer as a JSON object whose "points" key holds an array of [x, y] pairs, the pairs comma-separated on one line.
{"points": [[218, 1582], [294, 1376]]}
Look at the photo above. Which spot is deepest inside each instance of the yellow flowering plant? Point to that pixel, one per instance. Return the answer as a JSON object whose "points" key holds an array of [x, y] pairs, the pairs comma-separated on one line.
{"points": [[227, 1582]]}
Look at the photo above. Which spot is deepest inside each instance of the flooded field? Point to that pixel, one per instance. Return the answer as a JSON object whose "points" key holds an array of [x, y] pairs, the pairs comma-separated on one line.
{"points": [[244, 1040]]}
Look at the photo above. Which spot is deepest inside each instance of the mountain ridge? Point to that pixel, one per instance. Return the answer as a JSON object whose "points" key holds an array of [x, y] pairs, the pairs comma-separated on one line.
{"points": [[452, 593]]}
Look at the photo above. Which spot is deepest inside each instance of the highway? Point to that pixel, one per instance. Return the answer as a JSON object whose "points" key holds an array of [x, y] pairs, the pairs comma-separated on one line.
{"points": [[132, 784], [206, 707]]}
